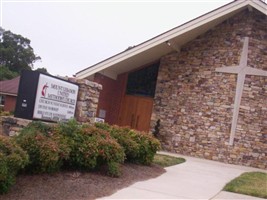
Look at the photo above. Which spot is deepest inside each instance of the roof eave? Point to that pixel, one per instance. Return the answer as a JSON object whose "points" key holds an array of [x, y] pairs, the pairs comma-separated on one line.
{"points": [[191, 25], [8, 94]]}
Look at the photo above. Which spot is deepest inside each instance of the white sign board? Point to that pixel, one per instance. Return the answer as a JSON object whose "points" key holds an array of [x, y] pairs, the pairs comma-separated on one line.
{"points": [[55, 99]]}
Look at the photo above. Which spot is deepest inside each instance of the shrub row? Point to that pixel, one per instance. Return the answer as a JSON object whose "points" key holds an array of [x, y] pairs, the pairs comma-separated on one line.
{"points": [[46, 148], [91, 148], [12, 159], [42, 148], [139, 147]]}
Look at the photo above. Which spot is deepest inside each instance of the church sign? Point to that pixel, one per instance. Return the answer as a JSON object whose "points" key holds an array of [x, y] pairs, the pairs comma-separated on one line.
{"points": [[45, 97]]}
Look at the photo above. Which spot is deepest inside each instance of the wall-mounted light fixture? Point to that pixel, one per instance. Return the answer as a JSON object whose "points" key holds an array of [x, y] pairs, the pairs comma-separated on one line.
{"points": [[173, 46]]}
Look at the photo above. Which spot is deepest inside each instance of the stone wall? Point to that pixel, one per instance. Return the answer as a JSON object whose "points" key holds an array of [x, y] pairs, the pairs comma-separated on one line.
{"points": [[87, 100], [11, 126], [195, 104], [86, 108]]}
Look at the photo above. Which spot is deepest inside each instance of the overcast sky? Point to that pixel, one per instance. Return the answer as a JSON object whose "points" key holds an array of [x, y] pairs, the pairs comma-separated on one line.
{"points": [[72, 35]]}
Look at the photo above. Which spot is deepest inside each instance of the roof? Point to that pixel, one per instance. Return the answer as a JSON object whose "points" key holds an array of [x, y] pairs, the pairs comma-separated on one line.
{"points": [[153, 49], [10, 87]]}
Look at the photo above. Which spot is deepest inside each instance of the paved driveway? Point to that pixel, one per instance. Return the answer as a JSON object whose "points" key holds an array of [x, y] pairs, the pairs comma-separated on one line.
{"points": [[194, 179]]}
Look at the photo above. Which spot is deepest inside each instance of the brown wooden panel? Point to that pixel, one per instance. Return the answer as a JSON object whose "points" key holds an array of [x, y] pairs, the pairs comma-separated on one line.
{"points": [[136, 112], [127, 114], [143, 114]]}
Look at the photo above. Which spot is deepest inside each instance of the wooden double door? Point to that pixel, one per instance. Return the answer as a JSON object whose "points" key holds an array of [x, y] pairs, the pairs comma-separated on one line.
{"points": [[136, 112]]}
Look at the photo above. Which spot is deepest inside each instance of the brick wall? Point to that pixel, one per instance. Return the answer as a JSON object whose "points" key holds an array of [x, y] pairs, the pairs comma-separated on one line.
{"points": [[195, 103], [10, 103]]}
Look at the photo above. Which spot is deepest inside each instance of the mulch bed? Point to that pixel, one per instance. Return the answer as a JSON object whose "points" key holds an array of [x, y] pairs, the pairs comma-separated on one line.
{"points": [[78, 185]]}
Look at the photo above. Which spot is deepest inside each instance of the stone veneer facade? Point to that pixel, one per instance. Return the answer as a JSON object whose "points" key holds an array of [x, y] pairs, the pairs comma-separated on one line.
{"points": [[195, 104], [87, 100]]}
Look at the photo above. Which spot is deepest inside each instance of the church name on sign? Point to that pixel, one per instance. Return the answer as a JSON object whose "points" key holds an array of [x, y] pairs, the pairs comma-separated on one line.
{"points": [[55, 99]]}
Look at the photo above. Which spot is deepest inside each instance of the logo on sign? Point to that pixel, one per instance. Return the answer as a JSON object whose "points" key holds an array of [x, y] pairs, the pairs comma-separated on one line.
{"points": [[44, 90]]}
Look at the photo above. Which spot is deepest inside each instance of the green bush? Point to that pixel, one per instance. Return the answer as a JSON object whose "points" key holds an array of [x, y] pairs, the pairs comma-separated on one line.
{"points": [[91, 148], [70, 128], [84, 150], [46, 148], [121, 134], [139, 147], [113, 169], [43, 148], [12, 159], [148, 146], [84, 147], [110, 153]]}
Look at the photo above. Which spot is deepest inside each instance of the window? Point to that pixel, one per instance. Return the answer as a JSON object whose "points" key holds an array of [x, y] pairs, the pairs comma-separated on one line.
{"points": [[2, 100], [143, 82]]}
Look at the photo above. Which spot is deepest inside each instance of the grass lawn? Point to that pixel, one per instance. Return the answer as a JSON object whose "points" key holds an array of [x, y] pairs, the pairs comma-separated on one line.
{"points": [[166, 161], [250, 183]]}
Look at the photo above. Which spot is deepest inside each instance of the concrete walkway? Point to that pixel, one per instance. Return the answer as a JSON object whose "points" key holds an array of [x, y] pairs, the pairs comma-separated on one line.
{"points": [[194, 179]]}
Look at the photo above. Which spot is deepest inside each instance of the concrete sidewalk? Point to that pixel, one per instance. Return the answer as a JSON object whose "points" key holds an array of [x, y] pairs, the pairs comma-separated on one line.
{"points": [[194, 179]]}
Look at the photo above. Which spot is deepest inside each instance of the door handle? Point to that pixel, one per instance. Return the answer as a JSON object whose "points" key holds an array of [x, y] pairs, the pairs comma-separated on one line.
{"points": [[132, 121]]}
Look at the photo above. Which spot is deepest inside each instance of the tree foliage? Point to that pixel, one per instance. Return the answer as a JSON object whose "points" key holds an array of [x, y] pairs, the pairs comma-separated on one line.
{"points": [[16, 54], [6, 74], [43, 70]]}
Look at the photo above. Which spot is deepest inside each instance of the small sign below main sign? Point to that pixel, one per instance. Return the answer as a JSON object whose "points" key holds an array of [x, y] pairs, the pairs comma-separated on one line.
{"points": [[46, 97], [99, 120]]}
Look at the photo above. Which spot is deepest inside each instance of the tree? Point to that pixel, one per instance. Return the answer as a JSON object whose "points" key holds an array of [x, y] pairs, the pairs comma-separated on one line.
{"points": [[16, 53], [6, 74], [43, 70]]}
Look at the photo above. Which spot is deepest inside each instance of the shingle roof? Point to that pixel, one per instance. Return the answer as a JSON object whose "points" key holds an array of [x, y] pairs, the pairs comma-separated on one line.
{"points": [[10, 86]]}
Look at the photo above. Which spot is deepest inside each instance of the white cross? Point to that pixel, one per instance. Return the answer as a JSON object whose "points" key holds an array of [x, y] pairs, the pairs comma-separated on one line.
{"points": [[241, 70]]}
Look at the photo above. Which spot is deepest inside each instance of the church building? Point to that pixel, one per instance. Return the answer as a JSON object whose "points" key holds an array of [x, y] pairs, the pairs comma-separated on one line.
{"points": [[201, 87]]}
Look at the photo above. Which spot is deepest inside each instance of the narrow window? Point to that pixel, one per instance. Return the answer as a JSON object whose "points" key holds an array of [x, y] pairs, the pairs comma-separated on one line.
{"points": [[2, 100]]}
